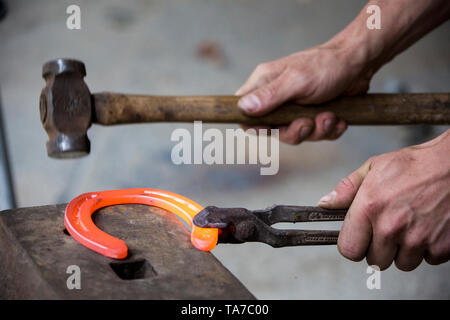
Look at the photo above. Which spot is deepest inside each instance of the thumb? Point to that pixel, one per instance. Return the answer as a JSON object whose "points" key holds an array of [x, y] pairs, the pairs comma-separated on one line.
{"points": [[342, 196], [267, 97]]}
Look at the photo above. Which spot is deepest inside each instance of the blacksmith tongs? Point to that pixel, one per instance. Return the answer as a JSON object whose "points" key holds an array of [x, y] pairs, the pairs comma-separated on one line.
{"points": [[238, 225]]}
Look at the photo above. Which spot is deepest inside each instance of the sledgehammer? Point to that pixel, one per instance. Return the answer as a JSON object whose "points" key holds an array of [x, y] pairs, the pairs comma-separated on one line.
{"points": [[68, 109]]}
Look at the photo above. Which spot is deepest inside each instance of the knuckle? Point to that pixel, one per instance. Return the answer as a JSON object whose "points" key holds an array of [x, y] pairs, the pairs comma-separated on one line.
{"points": [[431, 260], [293, 73], [263, 67], [405, 266], [437, 255], [414, 242], [269, 92], [349, 250], [372, 160], [346, 183], [285, 139], [319, 134], [388, 230], [376, 261], [288, 141], [293, 140], [292, 137], [308, 90], [372, 260], [340, 129], [371, 207], [333, 137], [384, 267]]}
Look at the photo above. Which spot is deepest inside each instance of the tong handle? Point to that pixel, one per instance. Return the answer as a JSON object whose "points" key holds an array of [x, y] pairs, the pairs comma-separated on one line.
{"points": [[285, 238], [299, 214], [242, 225], [282, 238]]}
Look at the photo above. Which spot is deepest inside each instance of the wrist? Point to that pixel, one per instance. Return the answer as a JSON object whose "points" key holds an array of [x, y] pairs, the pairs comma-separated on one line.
{"points": [[353, 50], [369, 49]]}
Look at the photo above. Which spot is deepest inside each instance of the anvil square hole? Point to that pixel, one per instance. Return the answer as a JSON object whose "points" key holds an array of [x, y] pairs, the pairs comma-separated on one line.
{"points": [[132, 270]]}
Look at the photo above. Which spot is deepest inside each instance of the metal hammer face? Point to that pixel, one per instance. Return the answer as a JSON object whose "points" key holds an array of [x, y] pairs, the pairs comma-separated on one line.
{"points": [[66, 108]]}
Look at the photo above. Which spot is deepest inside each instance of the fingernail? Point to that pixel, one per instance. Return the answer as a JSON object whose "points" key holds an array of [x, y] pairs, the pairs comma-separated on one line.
{"points": [[238, 92], [249, 103], [305, 131], [327, 125], [329, 197]]}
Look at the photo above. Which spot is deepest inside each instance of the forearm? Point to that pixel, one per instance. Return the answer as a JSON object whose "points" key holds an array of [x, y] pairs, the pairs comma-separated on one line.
{"points": [[403, 22]]}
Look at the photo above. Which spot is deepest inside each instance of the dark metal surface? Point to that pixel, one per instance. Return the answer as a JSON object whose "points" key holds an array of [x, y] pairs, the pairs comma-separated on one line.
{"points": [[242, 225], [35, 253], [65, 108]]}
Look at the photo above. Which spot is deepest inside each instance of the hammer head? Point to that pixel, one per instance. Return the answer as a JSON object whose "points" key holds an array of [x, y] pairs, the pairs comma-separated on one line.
{"points": [[66, 108]]}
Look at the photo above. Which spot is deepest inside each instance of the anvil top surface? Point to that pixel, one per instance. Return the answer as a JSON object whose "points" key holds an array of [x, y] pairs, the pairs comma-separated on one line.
{"points": [[35, 253]]}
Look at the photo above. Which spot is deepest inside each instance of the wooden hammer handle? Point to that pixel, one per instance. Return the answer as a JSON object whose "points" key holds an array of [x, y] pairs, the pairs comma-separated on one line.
{"points": [[369, 109]]}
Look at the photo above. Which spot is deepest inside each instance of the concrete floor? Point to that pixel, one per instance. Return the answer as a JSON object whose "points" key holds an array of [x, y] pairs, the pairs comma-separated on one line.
{"points": [[150, 47]]}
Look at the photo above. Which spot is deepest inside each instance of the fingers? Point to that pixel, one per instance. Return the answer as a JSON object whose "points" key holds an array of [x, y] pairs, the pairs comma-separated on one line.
{"points": [[373, 230], [298, 131], [382, 251], [270, 85], [254, 130], [439, 250], [356, 231], [409, 258], [262, 74], [435, 259], [325, 126], [342, 196], [339, 129], [268, 96]]}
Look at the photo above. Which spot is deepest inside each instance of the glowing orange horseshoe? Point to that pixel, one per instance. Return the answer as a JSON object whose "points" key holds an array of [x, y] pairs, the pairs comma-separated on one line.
{"points": [[78, 218]]}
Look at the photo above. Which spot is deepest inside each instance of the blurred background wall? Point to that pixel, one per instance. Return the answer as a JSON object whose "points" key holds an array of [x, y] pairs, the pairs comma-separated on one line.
{"points": [[195, 47]]}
